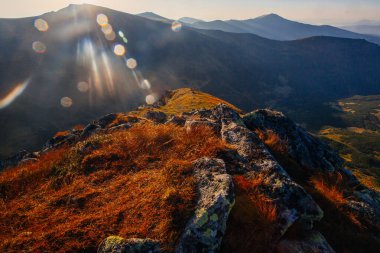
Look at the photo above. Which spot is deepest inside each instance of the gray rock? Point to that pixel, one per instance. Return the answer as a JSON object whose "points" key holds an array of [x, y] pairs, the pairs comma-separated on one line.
{"points": [[310, 242], [309, 151], [20, 157], [116, 244], [190, 124], [177, 120], [205, 230], [157, 117], [106, 120], [89, 130], [291, 200]]}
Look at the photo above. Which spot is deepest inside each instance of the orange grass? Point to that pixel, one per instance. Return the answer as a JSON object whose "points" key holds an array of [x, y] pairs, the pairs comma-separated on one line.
{"points": [[273, 141], [330, 186], [133, 183], [60, 134]]}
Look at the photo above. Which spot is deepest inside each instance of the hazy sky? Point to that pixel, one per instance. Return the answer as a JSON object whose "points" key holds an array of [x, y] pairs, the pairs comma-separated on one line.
{"points": [[316, 11]]}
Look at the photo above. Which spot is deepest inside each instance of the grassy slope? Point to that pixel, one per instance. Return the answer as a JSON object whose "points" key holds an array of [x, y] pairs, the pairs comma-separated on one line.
{"points": [[131, 183], [359, 143]]}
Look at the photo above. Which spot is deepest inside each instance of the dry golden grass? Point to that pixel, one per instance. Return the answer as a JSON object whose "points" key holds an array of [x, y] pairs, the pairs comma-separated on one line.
{"points": [[133, 183], [185, 100]]}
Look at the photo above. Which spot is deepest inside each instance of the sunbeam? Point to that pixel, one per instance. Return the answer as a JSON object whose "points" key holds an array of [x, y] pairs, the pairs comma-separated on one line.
{"points": [[13, 94]]}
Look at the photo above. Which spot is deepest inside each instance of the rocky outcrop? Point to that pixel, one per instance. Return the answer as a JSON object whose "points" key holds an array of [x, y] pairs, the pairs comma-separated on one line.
{"points": [[205, 230], [251, 157], [317, 157], [20, 157], [309, 151]]}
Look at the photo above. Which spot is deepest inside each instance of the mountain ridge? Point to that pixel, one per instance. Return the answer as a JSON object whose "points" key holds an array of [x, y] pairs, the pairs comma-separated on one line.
{"points": [[243, 174]]}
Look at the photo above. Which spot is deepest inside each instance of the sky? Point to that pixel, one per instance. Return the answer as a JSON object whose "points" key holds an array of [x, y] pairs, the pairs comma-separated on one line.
{"points": [[311, 11]]}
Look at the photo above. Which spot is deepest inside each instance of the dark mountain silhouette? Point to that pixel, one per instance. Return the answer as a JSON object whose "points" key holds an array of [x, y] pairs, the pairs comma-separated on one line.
{"points": [[298, 77], [273, 26]]}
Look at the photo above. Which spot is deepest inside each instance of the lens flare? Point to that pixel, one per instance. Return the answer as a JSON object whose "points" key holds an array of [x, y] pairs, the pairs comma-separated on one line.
{"points": [[131, 63], [121, 34], [13, 94], [150, 99], [119, 50], [110, 36], [176, 26], [125, 40], [107, 29], [66, 102], [102, 20], [41, 25], [145, 84], [39, 47], [83, 86]]}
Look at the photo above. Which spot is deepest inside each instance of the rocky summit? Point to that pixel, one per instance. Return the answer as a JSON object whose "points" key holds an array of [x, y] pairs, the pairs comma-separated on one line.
{"points": [[191, 173]]}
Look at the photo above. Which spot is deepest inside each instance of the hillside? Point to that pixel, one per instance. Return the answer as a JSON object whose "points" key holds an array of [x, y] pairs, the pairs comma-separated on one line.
{"points": [[297, 77], [358, 141], [189, 173], [273, 26]]}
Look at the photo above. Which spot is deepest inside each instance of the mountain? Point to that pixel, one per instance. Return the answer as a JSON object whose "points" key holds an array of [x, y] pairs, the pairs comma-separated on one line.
{"points": [[364, 29], [275, 27], [299, 77], [154, 16], [189, 20], [189, 173]]}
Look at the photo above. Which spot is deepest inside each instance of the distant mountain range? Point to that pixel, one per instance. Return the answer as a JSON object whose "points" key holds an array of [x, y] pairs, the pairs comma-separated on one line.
{"points": [[298, 77], [364, 29], [275, 27]]}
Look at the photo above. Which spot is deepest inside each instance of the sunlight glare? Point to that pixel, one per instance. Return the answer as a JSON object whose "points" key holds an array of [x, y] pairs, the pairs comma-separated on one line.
{"points": [[13, 94], [176, 26], [41, 25], [150, 99], [83, 86], [131, 63], [107, 29], [102, 20], [145, 84], [66, 102], [110, 36], [119, 50], [39, 47]]}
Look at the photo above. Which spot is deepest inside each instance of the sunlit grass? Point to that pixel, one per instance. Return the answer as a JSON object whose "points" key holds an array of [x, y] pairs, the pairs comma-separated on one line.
{"points": [[131, 183]]}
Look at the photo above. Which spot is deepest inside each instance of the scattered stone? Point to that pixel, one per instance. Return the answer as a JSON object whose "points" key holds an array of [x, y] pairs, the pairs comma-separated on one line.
{"points": [[155, 116], [177, 120]]}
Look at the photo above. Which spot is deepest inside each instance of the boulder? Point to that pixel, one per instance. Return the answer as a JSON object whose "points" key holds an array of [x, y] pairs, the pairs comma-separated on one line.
{"points": [[307, 150], [206, 228]]}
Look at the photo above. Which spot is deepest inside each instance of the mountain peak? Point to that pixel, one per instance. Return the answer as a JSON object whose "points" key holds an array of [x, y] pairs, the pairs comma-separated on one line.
{"points": [[271, 16]]}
